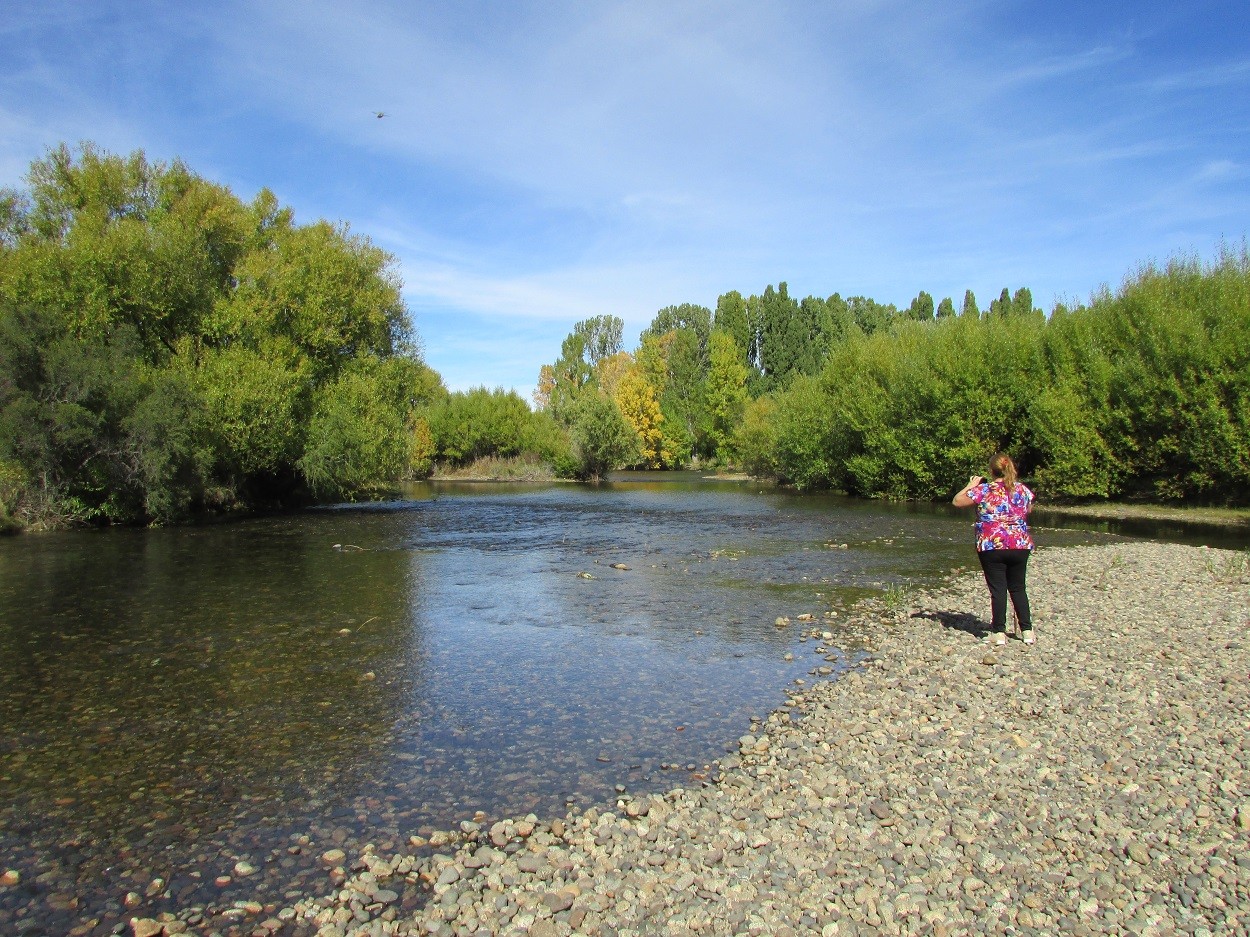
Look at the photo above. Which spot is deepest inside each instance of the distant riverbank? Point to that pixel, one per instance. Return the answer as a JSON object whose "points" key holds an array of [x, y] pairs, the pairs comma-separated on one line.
{"points": [[1232, 518], [1096, 783]]}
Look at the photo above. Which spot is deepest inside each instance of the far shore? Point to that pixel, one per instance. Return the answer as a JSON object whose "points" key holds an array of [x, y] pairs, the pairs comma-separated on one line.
{"points": [[1227, 517], [1208, 516]]}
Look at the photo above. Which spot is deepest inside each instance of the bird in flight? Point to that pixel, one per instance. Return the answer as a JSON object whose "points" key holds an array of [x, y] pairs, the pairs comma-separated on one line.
{"points": [[379, 114]]}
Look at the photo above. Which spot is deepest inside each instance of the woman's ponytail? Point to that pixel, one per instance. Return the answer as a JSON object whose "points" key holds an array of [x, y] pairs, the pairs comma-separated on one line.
{"points": [[1002, 467]]}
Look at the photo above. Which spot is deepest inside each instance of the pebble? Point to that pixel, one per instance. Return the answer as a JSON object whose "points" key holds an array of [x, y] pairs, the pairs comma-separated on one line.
{"points": [[1097, 782]]}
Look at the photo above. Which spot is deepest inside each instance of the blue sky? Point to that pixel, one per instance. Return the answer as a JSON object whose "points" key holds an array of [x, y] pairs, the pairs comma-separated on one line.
{"points": [[540, 163]]}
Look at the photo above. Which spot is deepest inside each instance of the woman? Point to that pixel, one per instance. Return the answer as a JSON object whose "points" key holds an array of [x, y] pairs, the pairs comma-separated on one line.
{"points": [[1003, 541]]}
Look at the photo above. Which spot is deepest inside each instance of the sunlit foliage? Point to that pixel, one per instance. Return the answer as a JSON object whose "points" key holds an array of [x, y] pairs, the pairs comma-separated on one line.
{"points": [[166, 348]]}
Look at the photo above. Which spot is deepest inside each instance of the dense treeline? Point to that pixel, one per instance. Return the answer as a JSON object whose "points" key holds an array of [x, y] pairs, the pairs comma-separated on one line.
{"points": [[166, 349], [1144, 392], [1140, 393]]}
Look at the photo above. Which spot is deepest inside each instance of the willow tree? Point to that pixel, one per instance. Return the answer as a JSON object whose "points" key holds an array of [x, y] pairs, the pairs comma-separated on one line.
{"points": [[180, 349]]}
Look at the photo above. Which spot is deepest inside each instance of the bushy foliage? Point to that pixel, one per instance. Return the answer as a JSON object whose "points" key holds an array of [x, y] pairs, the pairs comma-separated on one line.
{"points": [[1142, 393], [166, 348], [356, 439], [602, 438], [474, 424], [755, 439]]}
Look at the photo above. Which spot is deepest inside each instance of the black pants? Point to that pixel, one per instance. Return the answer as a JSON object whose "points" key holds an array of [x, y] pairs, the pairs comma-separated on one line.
{"points": [[1004, 573]]}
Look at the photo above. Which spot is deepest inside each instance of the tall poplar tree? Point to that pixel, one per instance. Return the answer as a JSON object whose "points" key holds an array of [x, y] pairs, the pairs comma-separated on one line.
{"points": [[731, 318], [970, 308], [921, 308]]}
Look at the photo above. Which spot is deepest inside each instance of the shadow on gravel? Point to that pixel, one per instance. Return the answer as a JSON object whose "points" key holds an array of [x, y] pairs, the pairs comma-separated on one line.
{"points": [[959, 621]]}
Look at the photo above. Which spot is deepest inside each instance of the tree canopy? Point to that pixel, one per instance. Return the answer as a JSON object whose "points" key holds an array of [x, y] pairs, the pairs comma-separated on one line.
{"points": [[167, 348]]}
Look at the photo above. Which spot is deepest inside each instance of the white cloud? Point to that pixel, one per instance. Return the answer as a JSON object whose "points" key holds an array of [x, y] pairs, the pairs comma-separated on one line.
{"points": [[541, 162]]}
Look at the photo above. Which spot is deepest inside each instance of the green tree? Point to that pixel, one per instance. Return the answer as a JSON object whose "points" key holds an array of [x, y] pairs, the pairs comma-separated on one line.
{"points": [[1022, 302], [781, 335], [870, 315], [480, 423], [357, 439], [332, 295], [602, 438], [970, 309], [1001, 307], [173, 349], [946, 308], [601, 336], [95, 434], [686, 317], [731, 318], [805, 450], [108, 241], [921, 308], [726, 392], [755, 439]]}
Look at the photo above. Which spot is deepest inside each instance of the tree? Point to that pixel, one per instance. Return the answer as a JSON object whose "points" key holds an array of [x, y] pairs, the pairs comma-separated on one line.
{"points": [[921, 308], [670, 364], [1001, 307], [109, 241], [258, 406], [543, 389], [610, 371], [731, 318], [1022, 302], [726, 392], [569, 375], [357, 440], [479, 423], [870, 315], [333, 295], [89, 433], [603, 440], [970, 308], [781, 334], [601, 337], [180, 350], [945, 308], [639, 404], [815, 332], [755, 439], [687, 316]]}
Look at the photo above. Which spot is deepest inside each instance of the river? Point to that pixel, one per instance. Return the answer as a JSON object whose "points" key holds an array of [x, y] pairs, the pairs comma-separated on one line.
{"points": [[191, 716]]}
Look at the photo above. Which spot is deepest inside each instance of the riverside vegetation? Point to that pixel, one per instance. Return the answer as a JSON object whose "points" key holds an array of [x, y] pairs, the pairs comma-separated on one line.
{"points": [[167, 350]]}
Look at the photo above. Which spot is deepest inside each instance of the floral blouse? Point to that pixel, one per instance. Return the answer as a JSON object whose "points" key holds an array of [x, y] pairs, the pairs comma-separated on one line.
{"points": [[1001, 523]]}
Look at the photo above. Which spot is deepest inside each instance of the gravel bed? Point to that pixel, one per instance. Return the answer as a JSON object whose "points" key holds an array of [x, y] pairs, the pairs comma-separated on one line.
{"points": [[1096, 783]]}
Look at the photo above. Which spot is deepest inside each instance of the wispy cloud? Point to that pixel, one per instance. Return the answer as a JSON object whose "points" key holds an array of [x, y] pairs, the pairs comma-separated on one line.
{"points": [[540, 162]]}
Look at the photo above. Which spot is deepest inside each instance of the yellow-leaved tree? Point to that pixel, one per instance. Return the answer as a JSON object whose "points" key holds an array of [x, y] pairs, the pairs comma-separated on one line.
{"points": [[640, 405]]}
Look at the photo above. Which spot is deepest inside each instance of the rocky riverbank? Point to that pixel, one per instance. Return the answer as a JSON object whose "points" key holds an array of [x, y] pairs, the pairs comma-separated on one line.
{"points": [[1098, 782]]}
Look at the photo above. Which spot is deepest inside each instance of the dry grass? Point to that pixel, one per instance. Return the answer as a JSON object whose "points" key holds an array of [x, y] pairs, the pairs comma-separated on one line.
{"points": [[523, 468]]}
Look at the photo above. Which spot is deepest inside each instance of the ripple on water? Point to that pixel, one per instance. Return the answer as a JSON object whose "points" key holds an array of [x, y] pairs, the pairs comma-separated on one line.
{"points": [[193, 716]]}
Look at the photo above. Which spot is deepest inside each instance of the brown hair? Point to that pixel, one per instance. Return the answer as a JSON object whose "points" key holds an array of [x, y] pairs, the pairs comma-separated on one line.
{"points": [[1002, 467]]}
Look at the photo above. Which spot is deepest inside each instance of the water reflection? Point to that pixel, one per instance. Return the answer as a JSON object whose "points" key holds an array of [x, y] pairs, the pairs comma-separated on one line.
{"points": [[175, 702]]}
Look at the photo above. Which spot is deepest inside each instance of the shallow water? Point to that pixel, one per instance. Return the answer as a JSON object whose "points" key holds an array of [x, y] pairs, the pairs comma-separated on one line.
{"points": [[174, 702]]}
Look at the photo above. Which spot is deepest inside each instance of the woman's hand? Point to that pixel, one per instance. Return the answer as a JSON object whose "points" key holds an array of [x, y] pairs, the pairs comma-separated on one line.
{"points": [[961, 499]]}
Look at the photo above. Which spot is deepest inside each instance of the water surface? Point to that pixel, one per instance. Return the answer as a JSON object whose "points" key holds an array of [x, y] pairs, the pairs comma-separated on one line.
{"points": [[174, 702]]}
